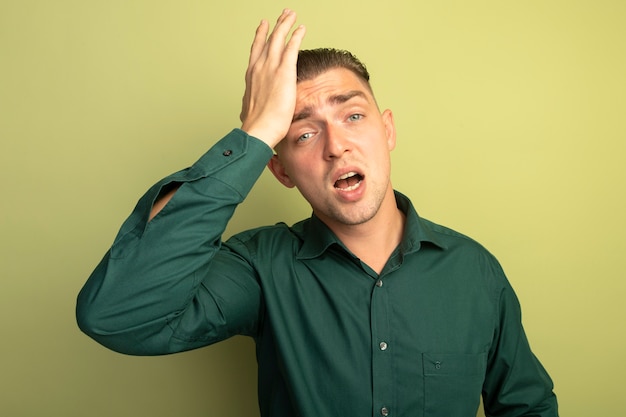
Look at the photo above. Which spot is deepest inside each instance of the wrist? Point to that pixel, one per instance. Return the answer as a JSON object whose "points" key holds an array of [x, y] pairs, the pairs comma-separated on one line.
{"points": [[269, 137]]}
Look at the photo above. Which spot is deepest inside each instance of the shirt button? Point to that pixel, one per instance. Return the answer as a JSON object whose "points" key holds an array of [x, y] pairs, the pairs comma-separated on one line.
{"points": [[384, 411], [383, 345], [227, 152], [379, 283]]}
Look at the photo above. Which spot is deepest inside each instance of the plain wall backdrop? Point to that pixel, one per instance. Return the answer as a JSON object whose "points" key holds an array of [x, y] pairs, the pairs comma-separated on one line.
{"points": [[511, 120]]}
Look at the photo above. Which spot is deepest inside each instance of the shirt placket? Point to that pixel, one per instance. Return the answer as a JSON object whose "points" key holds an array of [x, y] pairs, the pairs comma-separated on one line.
{"points": [[382, 351]]}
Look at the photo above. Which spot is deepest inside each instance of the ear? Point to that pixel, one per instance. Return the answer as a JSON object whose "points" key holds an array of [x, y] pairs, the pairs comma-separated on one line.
{"points": [[390, 129], [278, 169]]}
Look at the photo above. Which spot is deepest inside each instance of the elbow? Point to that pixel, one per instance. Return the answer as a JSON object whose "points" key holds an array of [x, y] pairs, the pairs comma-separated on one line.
{"points": [[88, 320], [93, 324], [120, 334], [103, 330]]}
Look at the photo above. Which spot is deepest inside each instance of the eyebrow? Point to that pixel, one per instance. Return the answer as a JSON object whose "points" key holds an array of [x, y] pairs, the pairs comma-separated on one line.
{"points": [[306, 112]]}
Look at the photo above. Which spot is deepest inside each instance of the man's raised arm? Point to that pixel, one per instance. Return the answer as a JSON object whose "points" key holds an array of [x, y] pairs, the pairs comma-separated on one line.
{"points": [[167, 284], [269, 101]]}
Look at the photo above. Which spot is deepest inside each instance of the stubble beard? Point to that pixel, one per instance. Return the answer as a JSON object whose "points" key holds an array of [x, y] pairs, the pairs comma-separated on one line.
{"points": [[356, 213]]}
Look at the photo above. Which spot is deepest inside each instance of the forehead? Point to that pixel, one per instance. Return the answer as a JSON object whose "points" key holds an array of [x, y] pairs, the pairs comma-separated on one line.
{"points": [[336, 81]]}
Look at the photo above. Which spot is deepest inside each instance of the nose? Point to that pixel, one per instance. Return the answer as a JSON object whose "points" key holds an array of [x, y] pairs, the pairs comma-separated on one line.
{"points": [[336, 142]]}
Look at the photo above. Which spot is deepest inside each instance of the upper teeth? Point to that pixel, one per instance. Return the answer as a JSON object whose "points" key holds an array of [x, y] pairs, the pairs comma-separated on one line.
{"points": [[348, 175]]}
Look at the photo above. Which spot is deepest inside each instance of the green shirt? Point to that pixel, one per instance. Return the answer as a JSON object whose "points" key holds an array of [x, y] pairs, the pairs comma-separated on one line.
{"points": [[438, 327]]}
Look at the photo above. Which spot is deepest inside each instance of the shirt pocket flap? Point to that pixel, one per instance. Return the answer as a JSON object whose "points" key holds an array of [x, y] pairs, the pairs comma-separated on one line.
{"points": [[467, 364]]}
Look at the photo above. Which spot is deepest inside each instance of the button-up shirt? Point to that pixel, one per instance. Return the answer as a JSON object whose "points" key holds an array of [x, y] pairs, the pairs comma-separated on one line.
{"points": [[436, 329]]}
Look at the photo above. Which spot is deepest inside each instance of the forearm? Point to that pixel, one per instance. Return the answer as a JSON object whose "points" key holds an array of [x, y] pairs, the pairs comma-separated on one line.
{"points": [[150, 275]]}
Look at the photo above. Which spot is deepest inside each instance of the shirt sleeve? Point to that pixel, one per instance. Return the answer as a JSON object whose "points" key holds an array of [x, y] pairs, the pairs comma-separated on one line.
{"points": [[169, 285], [516, 384]]}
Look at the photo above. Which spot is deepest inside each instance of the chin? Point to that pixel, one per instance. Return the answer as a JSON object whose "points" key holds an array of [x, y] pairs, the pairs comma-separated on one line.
{"points": [[355, 216]]}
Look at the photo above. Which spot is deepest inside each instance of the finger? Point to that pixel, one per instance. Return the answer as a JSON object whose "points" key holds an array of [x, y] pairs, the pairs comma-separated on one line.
{"points": [[283, 24], [278, 37], [260, 38], [260, 43], [293, 46], [284, 14]]}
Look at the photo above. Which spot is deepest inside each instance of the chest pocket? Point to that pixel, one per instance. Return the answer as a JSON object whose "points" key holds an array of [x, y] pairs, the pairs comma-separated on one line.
{"points": [[453, 383]]}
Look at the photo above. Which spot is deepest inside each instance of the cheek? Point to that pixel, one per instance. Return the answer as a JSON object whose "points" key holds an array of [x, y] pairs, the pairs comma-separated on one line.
{"points": [[301, 162], [297, 169], [303, 174]]}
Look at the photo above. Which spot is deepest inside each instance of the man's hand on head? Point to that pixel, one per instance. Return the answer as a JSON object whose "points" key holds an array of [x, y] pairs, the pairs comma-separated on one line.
{"points": [[270, 97]]}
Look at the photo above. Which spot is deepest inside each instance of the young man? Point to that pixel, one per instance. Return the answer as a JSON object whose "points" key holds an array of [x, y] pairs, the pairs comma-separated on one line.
{"points": [[362, 309]]}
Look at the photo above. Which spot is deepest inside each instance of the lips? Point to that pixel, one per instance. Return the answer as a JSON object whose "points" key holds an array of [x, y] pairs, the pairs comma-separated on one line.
{"points": [[349, 181]]}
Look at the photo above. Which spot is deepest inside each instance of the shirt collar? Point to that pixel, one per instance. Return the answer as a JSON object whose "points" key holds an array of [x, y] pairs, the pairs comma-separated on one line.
{"points": [[317, 237]]}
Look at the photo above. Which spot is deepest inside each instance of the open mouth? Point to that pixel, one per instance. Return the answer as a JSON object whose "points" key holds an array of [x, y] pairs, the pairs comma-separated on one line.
{"points": [[349, 181]]}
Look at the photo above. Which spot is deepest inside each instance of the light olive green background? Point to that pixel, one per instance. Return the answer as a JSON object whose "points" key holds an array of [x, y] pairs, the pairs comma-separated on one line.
{"points": [[511, 120]]}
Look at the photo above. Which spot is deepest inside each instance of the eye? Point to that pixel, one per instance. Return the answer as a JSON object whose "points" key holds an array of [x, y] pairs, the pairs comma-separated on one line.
{"points": [[304, 137], [355, 117]]}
